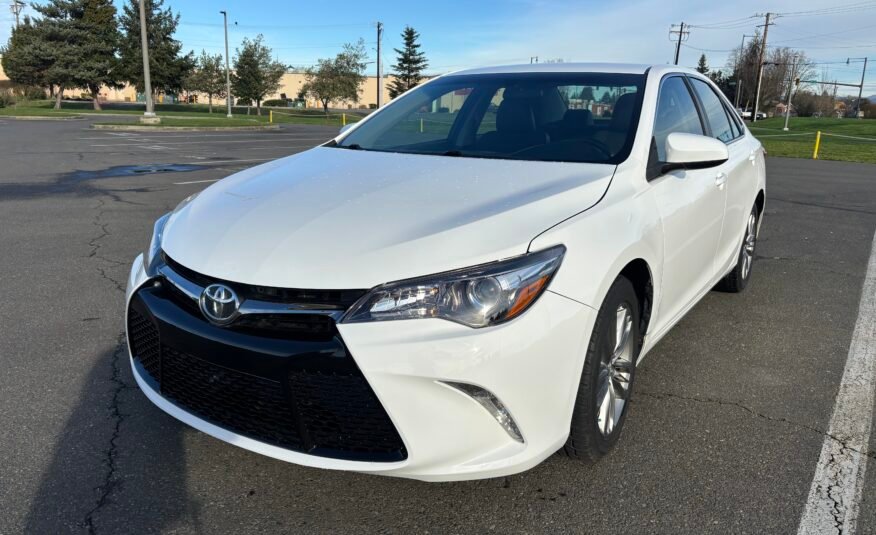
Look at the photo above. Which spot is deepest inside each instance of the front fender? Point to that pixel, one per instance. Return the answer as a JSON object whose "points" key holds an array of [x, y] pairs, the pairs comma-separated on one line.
{"points": [[601, 241]]}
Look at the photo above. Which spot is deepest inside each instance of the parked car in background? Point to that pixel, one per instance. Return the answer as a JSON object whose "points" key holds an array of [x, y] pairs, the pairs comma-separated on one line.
{"points": [[459, 285]]}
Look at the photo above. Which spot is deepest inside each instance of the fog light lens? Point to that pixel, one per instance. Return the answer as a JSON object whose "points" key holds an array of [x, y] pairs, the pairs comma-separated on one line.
{"points": [[492, 405]]}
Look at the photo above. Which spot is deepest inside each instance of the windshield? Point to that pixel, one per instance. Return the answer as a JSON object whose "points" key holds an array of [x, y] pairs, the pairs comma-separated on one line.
{"points": [[567, 117]]}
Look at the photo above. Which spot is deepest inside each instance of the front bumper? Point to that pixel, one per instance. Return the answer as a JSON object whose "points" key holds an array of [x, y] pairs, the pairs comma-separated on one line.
{"points": [[531, 364]]}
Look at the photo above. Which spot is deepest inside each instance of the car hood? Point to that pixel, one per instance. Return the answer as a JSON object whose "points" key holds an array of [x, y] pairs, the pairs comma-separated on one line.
{"points": [[333, 218]]}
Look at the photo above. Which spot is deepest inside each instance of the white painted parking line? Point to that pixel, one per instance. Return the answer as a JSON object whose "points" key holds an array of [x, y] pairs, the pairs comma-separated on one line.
{"points": [[835, 494], [197, 182]]}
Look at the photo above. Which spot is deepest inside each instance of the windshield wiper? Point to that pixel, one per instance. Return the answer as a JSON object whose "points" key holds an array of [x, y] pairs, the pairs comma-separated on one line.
{"points": [[354, 146], [452, 153]]}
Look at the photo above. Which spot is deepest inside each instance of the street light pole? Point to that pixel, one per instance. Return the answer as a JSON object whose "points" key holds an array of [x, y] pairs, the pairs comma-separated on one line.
{"points": [[738, 73], [763, 45], [379, 65], [791, 84], [861, 87], [144, 42], [227, 67]]}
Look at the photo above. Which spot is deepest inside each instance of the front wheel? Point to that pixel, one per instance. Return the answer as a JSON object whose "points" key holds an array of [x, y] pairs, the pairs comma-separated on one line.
{"points": [[737, 280], [607, 378]]}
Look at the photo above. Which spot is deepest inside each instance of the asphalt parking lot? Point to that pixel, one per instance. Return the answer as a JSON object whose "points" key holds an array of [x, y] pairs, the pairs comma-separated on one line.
{"points": [[724, 433]]}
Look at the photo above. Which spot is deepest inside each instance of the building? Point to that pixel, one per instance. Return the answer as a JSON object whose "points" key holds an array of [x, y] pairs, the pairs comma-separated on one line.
{"points": [[4, 81], [290, 86]]}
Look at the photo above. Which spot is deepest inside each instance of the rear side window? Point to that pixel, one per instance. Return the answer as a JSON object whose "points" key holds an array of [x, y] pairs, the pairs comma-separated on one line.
{"points": [[714, 110], [676, 112]]}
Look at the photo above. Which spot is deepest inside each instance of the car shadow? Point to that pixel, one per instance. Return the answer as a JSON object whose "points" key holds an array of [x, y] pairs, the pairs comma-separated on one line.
{"points": [[118, 462]]}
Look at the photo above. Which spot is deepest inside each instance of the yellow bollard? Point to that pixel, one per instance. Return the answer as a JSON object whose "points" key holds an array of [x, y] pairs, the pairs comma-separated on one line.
{"points": [[271, 116], [817, 145], [343, 119], [421, 125]]}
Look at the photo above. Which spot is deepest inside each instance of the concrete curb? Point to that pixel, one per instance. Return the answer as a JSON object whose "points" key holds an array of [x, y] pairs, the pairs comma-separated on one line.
{"points": [[42, 117], [142, 128]]}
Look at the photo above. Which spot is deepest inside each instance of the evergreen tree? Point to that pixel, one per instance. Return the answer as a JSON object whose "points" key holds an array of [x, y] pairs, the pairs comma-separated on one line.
{"points": [[208, 77], [408, 69], [60, 43], [168, 68], [255, 73], [26, 58], [702, 66], [98, 63]]}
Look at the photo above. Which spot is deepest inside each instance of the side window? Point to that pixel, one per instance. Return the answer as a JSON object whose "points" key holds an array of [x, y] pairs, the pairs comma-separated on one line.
{"points": [[676, 112], [714, 111]]}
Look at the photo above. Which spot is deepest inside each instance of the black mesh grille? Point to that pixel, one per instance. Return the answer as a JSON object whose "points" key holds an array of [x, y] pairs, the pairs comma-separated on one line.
{"points": [[340, 411], [247, 404], [318, 404], [145, 345]]}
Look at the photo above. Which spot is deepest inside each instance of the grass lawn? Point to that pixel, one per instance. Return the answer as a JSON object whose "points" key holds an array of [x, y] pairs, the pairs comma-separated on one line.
{"points": [[44, 108], [35, 112], [799, 141]]}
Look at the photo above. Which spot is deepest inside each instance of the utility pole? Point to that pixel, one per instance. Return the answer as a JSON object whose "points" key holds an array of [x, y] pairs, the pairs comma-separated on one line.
{"points": [[227, 67], [861, 87], [16, 7], [147, 82], [763, 45], [682, 33], [379, 65]]}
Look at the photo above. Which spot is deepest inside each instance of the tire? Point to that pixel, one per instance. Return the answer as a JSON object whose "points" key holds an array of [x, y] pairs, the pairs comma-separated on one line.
{"points": [[737, 280], [609, 369]]}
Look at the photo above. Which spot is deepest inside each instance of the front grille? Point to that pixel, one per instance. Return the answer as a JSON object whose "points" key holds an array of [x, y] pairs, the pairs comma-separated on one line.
{"points": [[249, 405], [318, 404], [299, 326], [340, 411], [145, 344]]}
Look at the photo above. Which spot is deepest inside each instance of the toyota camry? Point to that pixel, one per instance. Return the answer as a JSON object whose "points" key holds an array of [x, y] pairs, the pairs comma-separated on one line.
{"points": [[459, 285]]}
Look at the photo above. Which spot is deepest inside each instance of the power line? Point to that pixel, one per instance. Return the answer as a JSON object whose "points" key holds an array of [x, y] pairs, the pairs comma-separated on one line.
{"points": [[278, 26], [847, 8]]}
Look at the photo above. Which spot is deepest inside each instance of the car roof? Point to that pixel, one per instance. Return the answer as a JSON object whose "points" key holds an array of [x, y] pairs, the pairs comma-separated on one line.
{"points": [[622, 68]]}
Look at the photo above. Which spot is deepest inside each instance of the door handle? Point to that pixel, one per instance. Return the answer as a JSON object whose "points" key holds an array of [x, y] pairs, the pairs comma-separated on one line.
{"points": [[720, 179], [752, 157]]}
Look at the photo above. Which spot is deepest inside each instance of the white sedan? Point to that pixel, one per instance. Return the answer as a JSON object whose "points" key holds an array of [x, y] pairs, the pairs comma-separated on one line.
{"points": [[459, 285]]}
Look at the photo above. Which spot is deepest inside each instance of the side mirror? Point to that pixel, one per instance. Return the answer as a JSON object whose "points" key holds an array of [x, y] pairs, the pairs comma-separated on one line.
{"points": [[692, 151], [346, 127]]}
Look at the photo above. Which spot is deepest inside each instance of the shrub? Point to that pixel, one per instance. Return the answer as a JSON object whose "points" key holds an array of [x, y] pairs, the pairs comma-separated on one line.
{"points": [[276, 102], [32, 93], [6, 98], [372, 106]]}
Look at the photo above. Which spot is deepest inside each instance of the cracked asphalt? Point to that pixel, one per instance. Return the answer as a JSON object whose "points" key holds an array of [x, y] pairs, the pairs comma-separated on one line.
{"points": [[726, 426]]}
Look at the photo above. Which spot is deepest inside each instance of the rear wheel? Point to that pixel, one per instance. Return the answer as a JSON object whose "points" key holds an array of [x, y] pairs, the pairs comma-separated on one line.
{"points": [[737, 280], [607, 378]]}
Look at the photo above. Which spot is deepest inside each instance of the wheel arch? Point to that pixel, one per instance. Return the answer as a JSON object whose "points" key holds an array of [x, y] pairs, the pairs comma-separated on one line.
{"points": [[638, 272]]}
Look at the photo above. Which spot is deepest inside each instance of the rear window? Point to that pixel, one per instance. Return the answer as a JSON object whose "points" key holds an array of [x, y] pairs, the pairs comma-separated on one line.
{"points": [[569, 117]]}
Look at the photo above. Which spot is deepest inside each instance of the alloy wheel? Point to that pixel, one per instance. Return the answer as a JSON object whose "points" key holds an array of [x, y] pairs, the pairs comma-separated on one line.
{"points": [[615, 373], [748, 245]]}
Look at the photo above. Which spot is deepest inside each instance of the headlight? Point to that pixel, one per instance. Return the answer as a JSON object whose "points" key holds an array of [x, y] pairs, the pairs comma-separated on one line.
{"points": [[150, 257], [479, 296], [152, 253]]}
